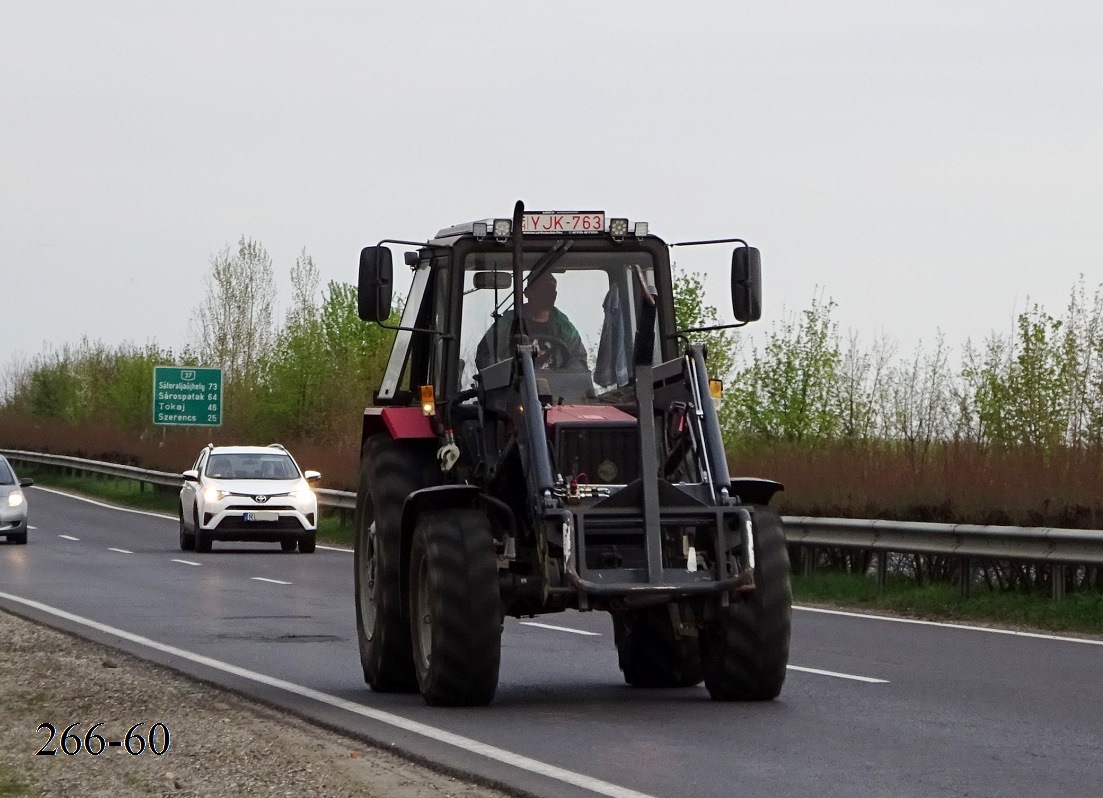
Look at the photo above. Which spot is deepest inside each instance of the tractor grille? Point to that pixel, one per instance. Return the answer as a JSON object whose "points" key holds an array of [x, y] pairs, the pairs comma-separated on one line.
{"points": [[605, 454]]}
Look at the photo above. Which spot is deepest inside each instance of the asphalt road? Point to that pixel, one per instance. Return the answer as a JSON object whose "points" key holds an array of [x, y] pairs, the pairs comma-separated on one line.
{"points": [[871, 707]]}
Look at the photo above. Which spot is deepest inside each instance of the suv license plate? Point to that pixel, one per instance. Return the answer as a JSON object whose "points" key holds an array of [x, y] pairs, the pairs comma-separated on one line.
{"points": [[262, 515]]}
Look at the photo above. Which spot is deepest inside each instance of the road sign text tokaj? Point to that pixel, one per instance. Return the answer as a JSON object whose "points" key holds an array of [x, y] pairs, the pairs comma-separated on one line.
{"points": [[184, 395]]}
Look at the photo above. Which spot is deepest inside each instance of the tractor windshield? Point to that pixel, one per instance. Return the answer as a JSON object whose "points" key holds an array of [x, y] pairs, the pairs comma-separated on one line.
{"points": [[579, 309]]}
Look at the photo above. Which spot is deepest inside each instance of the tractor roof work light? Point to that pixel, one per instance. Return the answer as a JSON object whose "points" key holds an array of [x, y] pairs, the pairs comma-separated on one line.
{"points": [[641, 229], [502, 228], [479, 230], [618, 228]]}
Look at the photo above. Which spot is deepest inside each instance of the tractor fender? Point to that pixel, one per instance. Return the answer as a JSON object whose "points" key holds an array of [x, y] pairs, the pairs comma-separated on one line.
{"points": [[398, 422], [752, 490], [436, 497]]}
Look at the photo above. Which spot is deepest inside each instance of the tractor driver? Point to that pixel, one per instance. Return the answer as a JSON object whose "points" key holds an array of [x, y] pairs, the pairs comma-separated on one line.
{"points": [[558, 344]]}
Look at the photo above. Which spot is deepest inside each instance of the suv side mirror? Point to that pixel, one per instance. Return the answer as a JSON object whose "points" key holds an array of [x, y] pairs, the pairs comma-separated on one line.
{"points": [[311, 476], [26, 482], [191, 475], [373, 295], [747, 284]]}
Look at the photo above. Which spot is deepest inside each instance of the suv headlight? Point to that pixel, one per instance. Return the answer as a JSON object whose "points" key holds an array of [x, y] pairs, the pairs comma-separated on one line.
{"points": [[15, 498], [215, 494], [301, 494]]}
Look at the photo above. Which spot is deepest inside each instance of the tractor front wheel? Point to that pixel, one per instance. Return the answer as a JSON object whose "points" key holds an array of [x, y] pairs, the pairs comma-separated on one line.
{"points": [[745, 651], [455, 608]]}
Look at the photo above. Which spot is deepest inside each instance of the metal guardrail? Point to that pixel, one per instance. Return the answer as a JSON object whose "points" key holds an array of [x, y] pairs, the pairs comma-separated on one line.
{"points": [[1056, 547]]}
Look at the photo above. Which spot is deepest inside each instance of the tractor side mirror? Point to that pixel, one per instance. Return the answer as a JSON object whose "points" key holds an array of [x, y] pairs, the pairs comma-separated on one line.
{"points": [[373, 294], [747, 284], [499, 280]]}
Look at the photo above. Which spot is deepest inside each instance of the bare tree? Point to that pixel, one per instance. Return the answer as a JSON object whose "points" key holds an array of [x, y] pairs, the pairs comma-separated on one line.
{"points": [[233, 327]]}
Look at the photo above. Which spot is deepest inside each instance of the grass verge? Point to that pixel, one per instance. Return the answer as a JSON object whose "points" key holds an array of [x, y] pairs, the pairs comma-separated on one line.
{"points": [[129, 493], [1080, 612]]}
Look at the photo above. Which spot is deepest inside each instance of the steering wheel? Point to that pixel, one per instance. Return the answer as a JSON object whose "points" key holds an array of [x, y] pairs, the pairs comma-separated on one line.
{"points": [[554, 352]]}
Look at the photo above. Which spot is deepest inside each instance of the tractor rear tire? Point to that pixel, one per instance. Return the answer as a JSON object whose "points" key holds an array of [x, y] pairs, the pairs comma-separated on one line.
{"points": [[745, 652], [650, 653], [455, 608], [390, 471]]}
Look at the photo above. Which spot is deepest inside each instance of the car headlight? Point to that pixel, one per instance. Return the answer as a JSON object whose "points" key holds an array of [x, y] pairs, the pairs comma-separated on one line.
{"points": [[15, 498], [215, 494]]}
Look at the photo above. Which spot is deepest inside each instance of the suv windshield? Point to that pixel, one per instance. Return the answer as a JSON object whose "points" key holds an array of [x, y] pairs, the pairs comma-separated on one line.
{"points": [[251, 466], [580, 313]]}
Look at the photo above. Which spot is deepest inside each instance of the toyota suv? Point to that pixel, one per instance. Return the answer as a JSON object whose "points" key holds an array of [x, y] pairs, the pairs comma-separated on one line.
{"points": [[255, 493]]}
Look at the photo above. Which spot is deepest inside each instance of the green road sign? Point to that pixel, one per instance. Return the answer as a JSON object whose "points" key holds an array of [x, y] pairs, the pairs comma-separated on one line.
{"points": [[183, 395]]}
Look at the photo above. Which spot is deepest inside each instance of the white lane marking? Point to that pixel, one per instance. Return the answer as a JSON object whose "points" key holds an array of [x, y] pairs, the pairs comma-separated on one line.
{"points": [[101, 504], [335, 548], [273, 581], [559, 628], [121, 551], [425, 730], [962, 626], [31, 527], [186, 562], [837, 675], [68, 537]]}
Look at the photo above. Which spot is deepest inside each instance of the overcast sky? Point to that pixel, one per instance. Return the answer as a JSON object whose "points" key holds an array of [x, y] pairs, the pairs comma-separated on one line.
{"points": [[927, 165]]}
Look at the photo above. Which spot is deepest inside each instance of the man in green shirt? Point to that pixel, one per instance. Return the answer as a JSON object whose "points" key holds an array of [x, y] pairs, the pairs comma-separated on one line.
{"points": [[558, 344]]}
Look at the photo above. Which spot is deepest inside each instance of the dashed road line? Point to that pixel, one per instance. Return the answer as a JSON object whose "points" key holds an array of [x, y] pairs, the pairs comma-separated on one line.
{"points": [[273, 581], [560, 628], [852, 677], [187, 562], [68, 537], [121, 551]]}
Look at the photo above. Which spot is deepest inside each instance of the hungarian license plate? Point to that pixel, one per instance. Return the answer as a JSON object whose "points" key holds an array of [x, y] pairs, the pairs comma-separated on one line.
{"points": [[262, 515], [565, 222]]}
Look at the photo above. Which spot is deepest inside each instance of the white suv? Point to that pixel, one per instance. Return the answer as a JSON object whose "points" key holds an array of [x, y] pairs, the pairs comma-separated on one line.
{"points": [[248, 493]]}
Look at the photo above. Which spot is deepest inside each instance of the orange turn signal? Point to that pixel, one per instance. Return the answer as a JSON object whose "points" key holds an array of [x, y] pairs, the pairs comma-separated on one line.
{"points": [[428, 400], [716, 388]]}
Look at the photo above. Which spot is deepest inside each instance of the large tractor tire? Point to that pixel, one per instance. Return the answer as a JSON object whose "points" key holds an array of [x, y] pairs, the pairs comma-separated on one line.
{"points": [[389, 472], [650, 653], [744, 652], [455, 608]]}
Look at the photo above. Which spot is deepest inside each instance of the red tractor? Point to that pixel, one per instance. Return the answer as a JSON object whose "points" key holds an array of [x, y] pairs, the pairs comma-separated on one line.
{"points": [[544, 438]]}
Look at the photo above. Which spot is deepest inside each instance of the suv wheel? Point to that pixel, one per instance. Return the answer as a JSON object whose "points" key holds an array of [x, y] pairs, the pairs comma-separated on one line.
{"points": [[202, 539], [187, 539]]}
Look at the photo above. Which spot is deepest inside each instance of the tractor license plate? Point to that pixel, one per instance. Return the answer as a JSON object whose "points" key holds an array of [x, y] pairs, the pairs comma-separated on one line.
{"points": [[567, 222], [262, 515]]}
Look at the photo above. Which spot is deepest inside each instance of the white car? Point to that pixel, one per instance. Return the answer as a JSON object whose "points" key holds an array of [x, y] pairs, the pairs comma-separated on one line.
{"points": [[13, 504], [253, 493]]}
